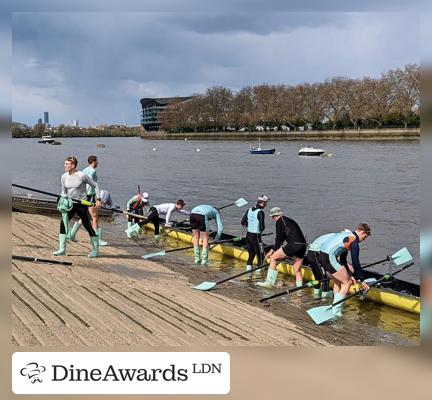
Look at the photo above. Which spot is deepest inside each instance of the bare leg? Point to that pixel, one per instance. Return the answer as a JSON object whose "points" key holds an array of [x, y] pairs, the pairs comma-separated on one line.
{"points": [[343, 279], [196, 237], [275, 257], [297, 269]]}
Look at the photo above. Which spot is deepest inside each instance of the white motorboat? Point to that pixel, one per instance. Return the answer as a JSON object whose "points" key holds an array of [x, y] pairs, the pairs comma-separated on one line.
{"points": [[309, 151], [46, 139]]}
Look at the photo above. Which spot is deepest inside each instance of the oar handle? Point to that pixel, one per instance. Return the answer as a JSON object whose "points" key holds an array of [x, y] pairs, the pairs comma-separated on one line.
{"points": [[385, 277]]}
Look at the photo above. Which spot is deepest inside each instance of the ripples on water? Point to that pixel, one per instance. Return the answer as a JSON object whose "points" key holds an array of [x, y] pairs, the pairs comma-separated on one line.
{"points": [[377, 183]]}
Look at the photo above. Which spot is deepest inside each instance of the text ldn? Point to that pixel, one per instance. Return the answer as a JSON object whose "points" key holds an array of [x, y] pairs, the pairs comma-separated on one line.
{"points": [[204, 368], [62, 373]]}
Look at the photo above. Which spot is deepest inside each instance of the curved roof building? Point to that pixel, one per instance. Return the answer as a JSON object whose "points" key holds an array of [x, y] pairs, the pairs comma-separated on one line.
{"points": [[151, 108]]}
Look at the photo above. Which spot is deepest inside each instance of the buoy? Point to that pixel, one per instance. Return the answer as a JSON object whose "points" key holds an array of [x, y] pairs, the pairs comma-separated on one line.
{"points": [[155, 148], [330, 155], [198, 150], [278, 153], [185, 138]]}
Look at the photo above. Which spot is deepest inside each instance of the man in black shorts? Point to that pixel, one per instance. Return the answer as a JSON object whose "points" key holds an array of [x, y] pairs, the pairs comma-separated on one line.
{"points": [[287, 230]]}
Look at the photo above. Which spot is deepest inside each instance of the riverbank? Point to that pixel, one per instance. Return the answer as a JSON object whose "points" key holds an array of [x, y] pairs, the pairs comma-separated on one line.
{"points": [[349, 135], [121, 299]]}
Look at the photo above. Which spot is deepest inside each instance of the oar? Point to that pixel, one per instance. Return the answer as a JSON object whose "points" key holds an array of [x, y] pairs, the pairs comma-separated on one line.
{"points": [[83, 202], [400, 257], [239, 203], [325, 313], [294, 289], [163, 252], [35, 259], [210, 285]]}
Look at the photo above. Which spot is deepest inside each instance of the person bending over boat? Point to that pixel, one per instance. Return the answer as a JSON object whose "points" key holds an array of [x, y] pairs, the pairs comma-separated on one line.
{"points": [[73, 184], [136, 205], [91, 196], [200, 218], [330, 253], [322, 289], [253, 220], [156, 212], [287, 230]]}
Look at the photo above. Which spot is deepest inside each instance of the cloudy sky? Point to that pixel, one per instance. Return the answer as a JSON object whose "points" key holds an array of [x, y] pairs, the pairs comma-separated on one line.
{"points": [[95, 66]]}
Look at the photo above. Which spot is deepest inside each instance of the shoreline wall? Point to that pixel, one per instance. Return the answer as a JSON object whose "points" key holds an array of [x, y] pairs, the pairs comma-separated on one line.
{"points": [[364, 134]]}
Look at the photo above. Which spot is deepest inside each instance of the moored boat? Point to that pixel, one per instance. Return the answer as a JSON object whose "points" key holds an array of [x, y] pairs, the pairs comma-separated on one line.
{"points": [[39, 205], [397, 293], [47, 139], [309, 151], [259, 150]]}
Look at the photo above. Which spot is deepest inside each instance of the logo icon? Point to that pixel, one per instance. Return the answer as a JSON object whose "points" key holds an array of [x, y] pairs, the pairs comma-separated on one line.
{"points": [[33, 371]]}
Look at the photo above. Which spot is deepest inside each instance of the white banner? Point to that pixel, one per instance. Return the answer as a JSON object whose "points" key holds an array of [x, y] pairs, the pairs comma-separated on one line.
{"points": [[120, 373]]}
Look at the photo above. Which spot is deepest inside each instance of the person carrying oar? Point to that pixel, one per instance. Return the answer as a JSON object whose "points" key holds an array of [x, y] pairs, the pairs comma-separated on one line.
{"points": [[91, 196], [136, 205], [253, 221], [287, 230], [330, 253], [157, 211], [200, 218], [73, 184]]}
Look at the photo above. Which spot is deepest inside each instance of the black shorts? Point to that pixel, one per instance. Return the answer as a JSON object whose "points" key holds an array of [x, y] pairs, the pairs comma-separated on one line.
{"points": [[138, 211], [324, 261], [294, 250], [91, 198], [197, 221]]}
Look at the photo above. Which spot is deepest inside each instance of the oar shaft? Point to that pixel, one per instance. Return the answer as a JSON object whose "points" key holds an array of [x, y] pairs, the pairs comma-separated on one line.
{"points": [[373, 284], [35, 190], [294, 289], [241, 274], [35, 259], [210, 244], [377, 262], [228, 205]]}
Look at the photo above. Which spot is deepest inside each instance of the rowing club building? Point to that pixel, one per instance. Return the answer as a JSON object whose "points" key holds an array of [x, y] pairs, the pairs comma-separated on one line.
{"points": [[151, 108]]}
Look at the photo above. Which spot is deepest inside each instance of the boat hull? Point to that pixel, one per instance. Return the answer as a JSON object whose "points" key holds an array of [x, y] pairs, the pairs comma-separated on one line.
{"points": [[314, 154], [387, 296], [267, 151], [32, 205]]}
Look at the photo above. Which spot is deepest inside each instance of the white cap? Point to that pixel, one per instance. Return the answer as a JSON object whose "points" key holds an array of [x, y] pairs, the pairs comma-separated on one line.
{"points": [[145, 196], [262, 198]]}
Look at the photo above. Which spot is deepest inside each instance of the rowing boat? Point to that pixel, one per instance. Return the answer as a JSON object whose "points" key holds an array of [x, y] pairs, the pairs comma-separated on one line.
{"points": [[397, 293], [38, 205]]}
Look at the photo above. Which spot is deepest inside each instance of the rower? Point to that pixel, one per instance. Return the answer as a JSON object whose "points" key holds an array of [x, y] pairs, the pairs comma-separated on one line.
{"points": [[90, 170], [286, 230], [199, 221], [155, 213], [330, 253], [136, 205], [253, 220]]}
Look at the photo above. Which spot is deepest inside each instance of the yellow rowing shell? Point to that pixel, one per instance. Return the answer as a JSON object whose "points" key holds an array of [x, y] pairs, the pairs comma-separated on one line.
{"points": [[390, 298]]}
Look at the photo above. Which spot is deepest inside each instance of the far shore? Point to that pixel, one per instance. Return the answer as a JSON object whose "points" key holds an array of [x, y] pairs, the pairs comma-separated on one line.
{"points": [[354, 135]]}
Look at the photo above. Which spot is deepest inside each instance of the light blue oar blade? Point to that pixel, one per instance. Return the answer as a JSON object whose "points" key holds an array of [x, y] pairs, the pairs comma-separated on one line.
{"points": [[321, 314], [147, 256], [241, 202], [205, 286], [402, 256]]}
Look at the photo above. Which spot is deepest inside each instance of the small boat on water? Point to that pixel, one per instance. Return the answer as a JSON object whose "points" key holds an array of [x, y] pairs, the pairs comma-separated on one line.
{"points": [[47, 139], [100, 145], [259, 150], [55, 143], [309, 151], [397, 293], [39, 205]]}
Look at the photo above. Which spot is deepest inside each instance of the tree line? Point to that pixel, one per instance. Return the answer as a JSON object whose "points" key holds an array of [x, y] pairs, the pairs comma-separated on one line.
{"points": [[392, 100], [20, 130]]}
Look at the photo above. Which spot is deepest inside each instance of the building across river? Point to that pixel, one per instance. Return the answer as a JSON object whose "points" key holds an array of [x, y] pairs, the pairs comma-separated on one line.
{"points": [[151, 108]]}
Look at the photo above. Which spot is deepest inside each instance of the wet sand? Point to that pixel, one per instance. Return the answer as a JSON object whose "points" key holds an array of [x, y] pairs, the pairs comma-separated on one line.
{"points": [[120, 298]]}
